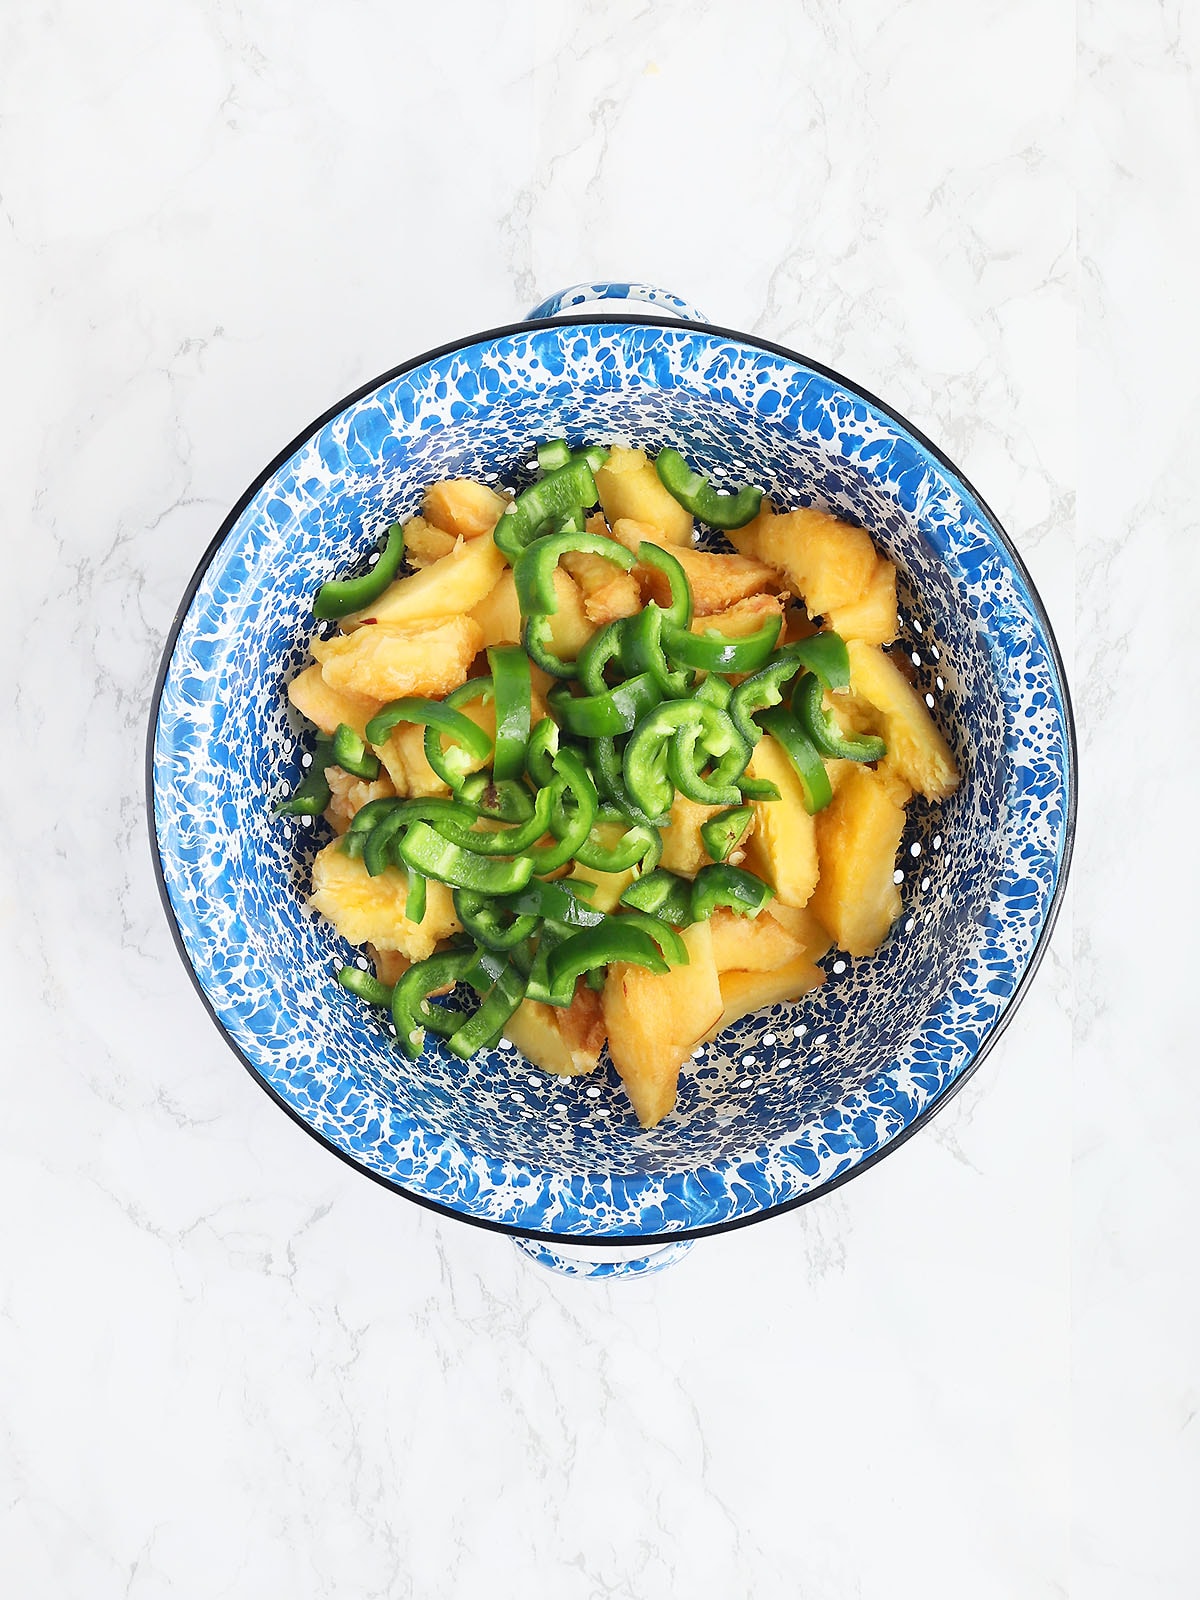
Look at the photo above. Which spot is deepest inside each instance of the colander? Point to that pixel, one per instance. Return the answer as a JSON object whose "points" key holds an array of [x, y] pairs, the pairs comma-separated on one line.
{"points": [[789, 1102]]}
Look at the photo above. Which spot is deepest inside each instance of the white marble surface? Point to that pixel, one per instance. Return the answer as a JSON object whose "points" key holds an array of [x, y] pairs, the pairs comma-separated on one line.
{"points": [[229, 1366]]}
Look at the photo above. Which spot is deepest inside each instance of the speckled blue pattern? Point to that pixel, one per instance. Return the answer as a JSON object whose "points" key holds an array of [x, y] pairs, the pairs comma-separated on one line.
{"points": [[787, 1100]]}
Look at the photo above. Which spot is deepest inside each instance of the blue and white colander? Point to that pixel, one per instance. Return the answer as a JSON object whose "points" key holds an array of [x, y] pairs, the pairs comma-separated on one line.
{"points": [[788, 1102]]}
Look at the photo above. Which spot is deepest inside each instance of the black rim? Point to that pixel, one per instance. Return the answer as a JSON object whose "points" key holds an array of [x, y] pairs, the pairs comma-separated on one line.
{"points": [[1036, 955]]}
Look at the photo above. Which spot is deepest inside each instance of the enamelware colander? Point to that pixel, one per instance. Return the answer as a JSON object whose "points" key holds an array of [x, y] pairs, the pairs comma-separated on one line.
{"points": [[787, 1103]]}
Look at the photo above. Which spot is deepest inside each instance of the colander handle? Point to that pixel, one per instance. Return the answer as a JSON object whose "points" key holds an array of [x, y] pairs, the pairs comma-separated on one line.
{"points": [[576, 1262], [581, 294]]}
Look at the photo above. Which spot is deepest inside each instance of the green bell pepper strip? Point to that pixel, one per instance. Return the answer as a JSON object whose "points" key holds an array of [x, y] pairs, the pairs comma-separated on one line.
{"points": [[553, 454], [570, 825], [541, 750], [512, 693], [764, 688], [642, 652], [667, 741], [537, 986], [824, 732], [720, 740], [595, 979], [553, 902], [663, 894], [697, 495], [483, 919], [602, 648], [341, 596], [723, 833], [456, 764], [758, 789], [535, 637], [827, 656], [365, 986], [815, 787], [679, 612], [507, 841], [313, 793], [378, 837], [567, 488], [350, 752], [568, 522], [415, 896], [603, 716], [639, 842], [411, 1010], [505, 801], [438, 717], [533, 573], [724, 885], [715, 690], [717, 652], [425, 850], [484, 1027], [367, 818], [599, 947], [608, 773], [664, 935]]}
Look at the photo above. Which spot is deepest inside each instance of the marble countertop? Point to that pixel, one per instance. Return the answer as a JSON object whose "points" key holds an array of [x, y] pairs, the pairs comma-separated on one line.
{"points": [[229, 1366]]}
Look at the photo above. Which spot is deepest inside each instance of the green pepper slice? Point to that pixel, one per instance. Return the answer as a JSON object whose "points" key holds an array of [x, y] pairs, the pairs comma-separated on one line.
{"points": [[639, 842], [411, 1010], [827, 656], [541, 750], [824, 732], [716, 691], [377, 836], [553, 902], [815, 787], [679, 612], [438, 717], [484, 1027], [697, 495], [425, 850], [455, 764], [572, 823], [538, 983], [533, 572], [553, 454], [341, 596], [642, 652], [313, 793], [513, 693], [484, 920], [601, 649], [724, 885], [506, 842], [602, 716], [366, 986], [717, 652], [719, 740], [506, 801], [662, 894], [568, 488], [415, 896], [664, 935], [764, 688], [723, 833], [672, 733], [350, 752], [599, 947]]}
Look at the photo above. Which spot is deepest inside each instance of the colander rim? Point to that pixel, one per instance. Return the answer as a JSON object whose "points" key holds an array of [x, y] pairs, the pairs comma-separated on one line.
{"points": [[1070, 771]]}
